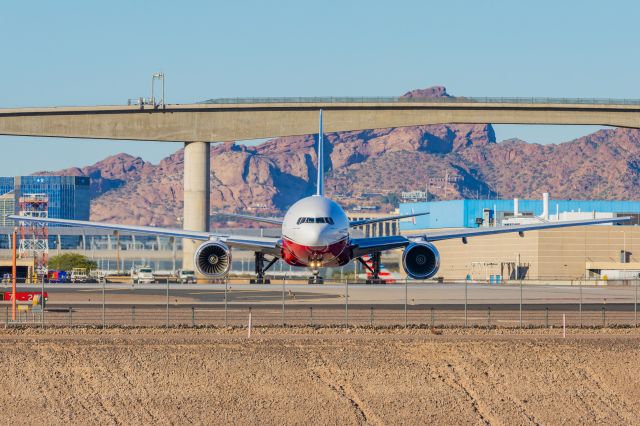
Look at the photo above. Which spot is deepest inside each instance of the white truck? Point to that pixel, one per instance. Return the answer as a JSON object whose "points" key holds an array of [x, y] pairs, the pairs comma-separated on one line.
{"points": [[186, 276], [79, 275], [142, 275]]}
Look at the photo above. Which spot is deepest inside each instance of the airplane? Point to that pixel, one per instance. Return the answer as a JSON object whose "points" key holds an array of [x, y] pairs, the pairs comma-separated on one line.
{"points": [[315, 234]]}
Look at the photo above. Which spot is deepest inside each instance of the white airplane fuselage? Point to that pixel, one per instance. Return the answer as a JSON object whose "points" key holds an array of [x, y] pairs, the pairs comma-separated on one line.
{"points": [[315, 233]]}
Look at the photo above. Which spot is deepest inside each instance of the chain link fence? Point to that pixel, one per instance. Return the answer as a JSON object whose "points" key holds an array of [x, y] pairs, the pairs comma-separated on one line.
{"points": [[404, 304]]}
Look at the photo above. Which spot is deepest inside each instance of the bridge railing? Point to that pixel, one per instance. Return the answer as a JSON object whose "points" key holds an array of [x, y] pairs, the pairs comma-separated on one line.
{"points": [[447, 99]]}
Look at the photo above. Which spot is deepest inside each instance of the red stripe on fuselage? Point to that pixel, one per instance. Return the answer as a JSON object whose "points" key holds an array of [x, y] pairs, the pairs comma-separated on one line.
{"points": [[334, 254]]}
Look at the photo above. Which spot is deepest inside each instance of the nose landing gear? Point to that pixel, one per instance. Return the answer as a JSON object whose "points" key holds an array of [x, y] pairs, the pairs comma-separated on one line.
{"points": [[315, 264]]}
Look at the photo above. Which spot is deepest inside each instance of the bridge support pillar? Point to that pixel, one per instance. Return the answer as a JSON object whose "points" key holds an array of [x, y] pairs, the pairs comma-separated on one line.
{"points": [[197, 169]]}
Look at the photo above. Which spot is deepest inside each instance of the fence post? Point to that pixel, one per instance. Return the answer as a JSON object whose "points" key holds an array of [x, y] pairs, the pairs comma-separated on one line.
{"points": [[405, 302], [193, 316], [546, 317], [42, 302], [70, 316], [283, 301], [488, 316], [371, 317], [466, 284], [104, 321], [6, 319], [520, 303], [225, 303], [635, 307], [604, 317], [346, 303], [580, 306], [433, 318], [167, 324], [311, 315]]}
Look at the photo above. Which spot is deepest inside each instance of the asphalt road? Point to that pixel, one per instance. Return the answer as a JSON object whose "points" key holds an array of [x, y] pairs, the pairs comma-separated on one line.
{"points": [[296, 294]]}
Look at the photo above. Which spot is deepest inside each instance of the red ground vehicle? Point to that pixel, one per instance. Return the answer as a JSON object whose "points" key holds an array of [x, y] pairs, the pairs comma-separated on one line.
{"points": [[23, 296]]}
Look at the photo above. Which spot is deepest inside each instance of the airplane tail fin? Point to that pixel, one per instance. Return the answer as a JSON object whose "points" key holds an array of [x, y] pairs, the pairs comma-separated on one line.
{"points": [[320, 182]]}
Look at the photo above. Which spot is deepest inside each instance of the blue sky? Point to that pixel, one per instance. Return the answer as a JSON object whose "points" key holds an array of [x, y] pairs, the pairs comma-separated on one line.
{"points": [[88, 53]]}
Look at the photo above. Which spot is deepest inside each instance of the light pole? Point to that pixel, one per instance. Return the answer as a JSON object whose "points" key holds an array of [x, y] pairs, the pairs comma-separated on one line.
{"points": [[154, 77]]}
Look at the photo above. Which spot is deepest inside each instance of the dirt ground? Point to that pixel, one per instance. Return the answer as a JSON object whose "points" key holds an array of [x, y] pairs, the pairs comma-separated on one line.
{"points": [[319, 376]]}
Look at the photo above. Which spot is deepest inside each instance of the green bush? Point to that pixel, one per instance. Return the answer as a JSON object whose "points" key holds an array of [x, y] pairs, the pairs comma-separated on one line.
{"points": [[68, 261]]}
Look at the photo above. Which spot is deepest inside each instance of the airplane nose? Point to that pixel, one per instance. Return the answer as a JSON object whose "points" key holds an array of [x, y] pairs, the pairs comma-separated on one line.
{"points": [[317, 235]]}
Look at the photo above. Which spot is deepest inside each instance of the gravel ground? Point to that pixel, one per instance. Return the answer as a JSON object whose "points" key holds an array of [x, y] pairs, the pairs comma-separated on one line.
{"points": [[319, 376]]}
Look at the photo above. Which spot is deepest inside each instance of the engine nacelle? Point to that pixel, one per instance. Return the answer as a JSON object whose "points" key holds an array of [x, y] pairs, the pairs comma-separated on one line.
{"points": [[213, 259], [421, 260]]}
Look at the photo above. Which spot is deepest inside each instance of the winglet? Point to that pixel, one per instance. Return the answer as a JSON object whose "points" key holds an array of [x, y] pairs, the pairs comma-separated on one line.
{"points": [[320, 183]]}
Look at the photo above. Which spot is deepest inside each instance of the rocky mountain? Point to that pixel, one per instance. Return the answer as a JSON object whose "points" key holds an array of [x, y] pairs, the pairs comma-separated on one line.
{"points": [[371, 167]]}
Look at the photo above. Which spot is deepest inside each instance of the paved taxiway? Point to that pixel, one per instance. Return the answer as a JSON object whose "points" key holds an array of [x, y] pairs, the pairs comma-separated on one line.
{"points": [[418, 294]]}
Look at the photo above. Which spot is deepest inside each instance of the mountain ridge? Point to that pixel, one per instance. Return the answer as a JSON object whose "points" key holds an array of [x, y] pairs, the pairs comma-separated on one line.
{"points": [[370, 167]]}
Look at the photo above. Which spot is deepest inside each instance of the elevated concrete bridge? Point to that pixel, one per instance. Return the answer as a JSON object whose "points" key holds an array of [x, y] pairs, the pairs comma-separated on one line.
{"points": [[239, 119]]}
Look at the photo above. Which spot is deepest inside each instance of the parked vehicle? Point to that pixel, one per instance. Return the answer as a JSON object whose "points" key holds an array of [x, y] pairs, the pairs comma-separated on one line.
{"points": [[79, 275], [97, 275], [186, 276], [142, 275], [57, 276], [23, 296]]}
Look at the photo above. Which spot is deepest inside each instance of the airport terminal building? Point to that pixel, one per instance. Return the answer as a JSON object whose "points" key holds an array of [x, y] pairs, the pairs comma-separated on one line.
{"points": [[68, 197], [595, 252]]}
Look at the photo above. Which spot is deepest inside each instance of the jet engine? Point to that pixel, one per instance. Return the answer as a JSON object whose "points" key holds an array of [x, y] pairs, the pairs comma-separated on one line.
{"points": [[213, 259], [421, 260]]}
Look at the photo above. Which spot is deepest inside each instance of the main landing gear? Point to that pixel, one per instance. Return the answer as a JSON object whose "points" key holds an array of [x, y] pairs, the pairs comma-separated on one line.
{"points": [[374, 269], [261, 269]]}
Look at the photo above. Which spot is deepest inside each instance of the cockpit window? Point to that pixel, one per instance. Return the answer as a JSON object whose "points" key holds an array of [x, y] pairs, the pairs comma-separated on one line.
{"points": [[315, 220]]}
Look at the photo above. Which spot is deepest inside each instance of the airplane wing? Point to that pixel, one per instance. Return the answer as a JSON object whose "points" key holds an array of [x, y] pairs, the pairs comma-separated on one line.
{"points": [[476, 232], [362, 246], [266, 245], [272, 220], [383, 219]]}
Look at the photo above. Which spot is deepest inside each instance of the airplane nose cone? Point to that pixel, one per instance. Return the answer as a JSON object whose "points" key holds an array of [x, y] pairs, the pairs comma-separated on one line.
{"points": [[317, 236]]}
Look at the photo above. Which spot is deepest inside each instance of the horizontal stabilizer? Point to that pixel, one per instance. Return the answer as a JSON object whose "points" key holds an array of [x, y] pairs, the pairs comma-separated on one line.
{"points": [[476, 232], [354, 223], [272, 220]]}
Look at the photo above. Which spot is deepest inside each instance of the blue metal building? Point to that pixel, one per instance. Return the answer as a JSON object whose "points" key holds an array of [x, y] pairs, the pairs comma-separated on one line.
{"points": [[69, 196], [470, 213]]}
